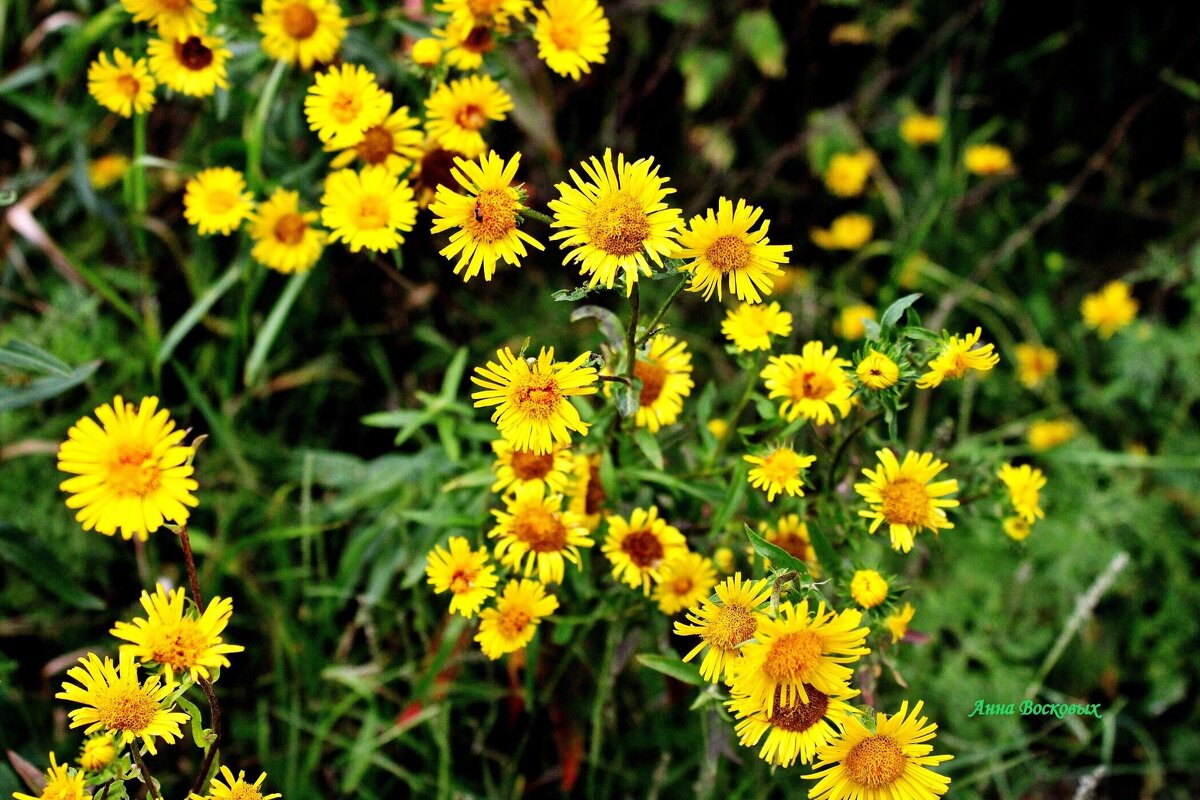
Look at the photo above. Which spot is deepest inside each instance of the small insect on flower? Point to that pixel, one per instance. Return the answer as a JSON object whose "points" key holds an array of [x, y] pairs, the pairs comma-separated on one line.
{"points": [[781, 470], [891, 760], [721, 247], [847, 173], [1035, 363], [61, 784], [902, 495], [750, 326], [286, 238], [532, 397], [571, 36], [192, 65], [868, 588], [132, 471], [793, 730], [216, 201], [847, 232], [616, 221], [1110, 309], [463, 572], [98, 752], [920, 129], [638, 547], [811, 384], [878, 372], [958, 356], [343, 103], [114, 701], [456, 113], [172, 18], [665, 370], [684, 581], [897, 623], [485, 219], [303, 32], [724, 625], [229, 787], [533, 528], [122, 85], [987, 159], [368, 209], [395, 143], [511, 624], [1046, 434], [1024, 484], [176, 638], [852, 321]]}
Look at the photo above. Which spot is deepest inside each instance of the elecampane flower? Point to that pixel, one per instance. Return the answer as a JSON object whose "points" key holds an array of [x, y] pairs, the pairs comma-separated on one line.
{"points": [[1024, 484], [723, 247], [987, 159], [368, 209], [1110, 309], [750, 326], [230, 787], [1035, 363], [303, 32], [61, 784], [193, 65], [920, 129], [812, 385], [868, 588], [723, 626], [958, 356], [781, 470], [638, 547], [216, 201], [286, 238], [515, 467], [172, 18], [847, 173], [683, 582], [897, 623], [571, 36], [877, 371], [463, 572], [905, 496], [396, 142], [457, 111], [665, 370], [794, 731], [534, 529], [122, 85], [498, 14], [343, 103], [512, 622], [847, 232], [177, 638]]}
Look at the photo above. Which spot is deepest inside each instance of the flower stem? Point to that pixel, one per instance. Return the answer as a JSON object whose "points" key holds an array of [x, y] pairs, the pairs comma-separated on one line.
{"points": [[257, 126], [658, 315], [537, 215], [139, 183], [836, 458], [150, 786], [731, 423], [635, 305], [214, 707]]}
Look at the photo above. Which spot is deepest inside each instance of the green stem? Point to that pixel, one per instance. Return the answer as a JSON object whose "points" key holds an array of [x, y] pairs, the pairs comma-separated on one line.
{"points": [[150, 785], [635, 304], [836, 458], [658, 315], [604, 688], [139, 183], [271, 328], [731, 423], [539, 216], [258, 126]]}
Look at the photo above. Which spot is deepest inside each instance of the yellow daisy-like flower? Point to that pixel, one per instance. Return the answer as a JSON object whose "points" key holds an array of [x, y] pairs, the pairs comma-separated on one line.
{"points": [[172, 18], [616, 221], [665, 371], [228, 787], [303, 32], [533, 528], [1024, 484], [1035, 363], [956, 357], [1017, 528], [571, 36], [725, 625], [897, 623], [847, 173], [868, 588], [192, 65], [464, 43], [457, 111], [115, 701], [919, 129], [177, 640], [486, 220], [396, 143], [721, 245], [533, 399], [724, 560], [60, 784], [343, 103], [877, 371], [122, 85], [847, 232], [750, 326], [1110, 309], [901, 495], [791, 534], [892, 761], [370, 208], [987, 159], [586, 493], [426, 52], [718, 428], [638, 547], [463, 572], [510, 625], [515, 468], [98, 752], [684, 581], [1046, 434], [811, 384], [781, 470], [132, 472], [794, 730], [796, 650], [852, 321], [216, 201], [498, 14], [285, 238], [107, 170]]}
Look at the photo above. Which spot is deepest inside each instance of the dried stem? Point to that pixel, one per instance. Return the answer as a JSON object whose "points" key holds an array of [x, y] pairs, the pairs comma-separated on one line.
{"points": [[214, 707]]}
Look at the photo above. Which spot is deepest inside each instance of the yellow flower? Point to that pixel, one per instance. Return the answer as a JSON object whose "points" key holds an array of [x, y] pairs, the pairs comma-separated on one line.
{"points": [[465, 43], [301, 32], [228, 787], [638, 547], [722, 245], [426, 52], [433, 169], [901, 495], [877, 371], [98, 752], [852, 321], [395, 143], [616, 222], [115, 701], [897, 623], [133, 474], [107, 170], [918, 129], [868, 588], [61, 784], [175, 639], [724, 560], [956, 357], [1017, 528], [684, 581], [515, 468], [486, 219], [1024, 484], [794, 730], [847, 173], [586, 491], [510, 625], [534, 525], [1046, 434], [750, 326], [987, 159], [571, 36], [781, 470], [533, 399], [457, 111], [216, 201], [1035, 363], [891, 761], [495, 13], [463, 572], [343, 103], [284, 237], [1110, 309], [791, 534], [848, 232], [172, 18], [665, 371], [724, 625], [123, 86], [796, 650], [850, 33], [811, 384], [192, 65], [370, 208]]}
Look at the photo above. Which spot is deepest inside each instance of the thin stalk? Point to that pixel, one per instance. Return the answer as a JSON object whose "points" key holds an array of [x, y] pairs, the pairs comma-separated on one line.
{"points": [[214, 707], [258, 125], [635, 305], [743, 401], [843, 444], [603, 689], [139, 183], [150, 786], [658, 315]]}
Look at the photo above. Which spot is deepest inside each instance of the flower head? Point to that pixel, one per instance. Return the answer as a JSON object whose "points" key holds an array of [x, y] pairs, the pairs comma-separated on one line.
{"points": [[426, 52], [897, 623], [122, 85], [132, 471], [216, 201], [571, 36], [638, 547], [811, 384], [343, 103], [665, 370], [1046, 434], [229, 787], [368, 209], [1024, 484], [586, 492], [457, 111], [177, 639], [722, 247], [901, 494], [847, 232], [193, 65], [535, 529], [1017, 528], [918, 129], [852, 321], [515, 468], [464, 43], [172, 18], [303, 32], [957, 356], [781, 470], [395, 143], [511, 623], [987, 159], [107, 170], [877, 371], [285, 237], [793, 730], [684, 581], [750, 326], [98, 752], [498, 14], [1110, 309], [463, 572], [725, 625], [1035, 364], [61, 784], [847, 173], [868, 588]]}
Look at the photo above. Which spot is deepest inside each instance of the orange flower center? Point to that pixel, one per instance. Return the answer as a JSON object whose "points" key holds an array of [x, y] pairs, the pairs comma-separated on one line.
{"points": [[728, 254], [537, 396], [179, 646], [471, 117], [290, 229], [372, 213], [529, 466], [793, 656], [542, 530], [298, 21], [462, 581], [493, 216], [617, 224], [565, 34], [345, 107], [220, 201], [129, 85], [682, 586], [653, 378], [732, 625], [875, 762], [643, 548], [125, 707], [905, 502], [134, 472], [175, 5], [512, 623], [479, 40], [595, 497], [376, 145], [193, 54], [812, 386], [800, 716]]}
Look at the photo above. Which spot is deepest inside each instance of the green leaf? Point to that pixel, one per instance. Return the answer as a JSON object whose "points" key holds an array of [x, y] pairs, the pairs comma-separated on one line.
{"points": [[703, 71], [44, 388], [775, 554], [271, 328], [648, 444], [759, 33], [897, 309], [571, 295], [628, 398], [672, 667], [42, 565], [193, 315], [826, 556], [200, 735], [733, 498], [19, 355], [610, 323]]}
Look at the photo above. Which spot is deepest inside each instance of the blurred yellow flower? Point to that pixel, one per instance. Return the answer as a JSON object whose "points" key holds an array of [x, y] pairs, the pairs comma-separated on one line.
{"points": [[586, 492], [98, 752], [1044, 434], [107, 170], [393, 143], [194, 65], [463, 572], [919, 129], [228, 787], [1024, 485], [897, 623], [433, 169], [956, 357], [571, 36], [510, 625], [639, 546], [303, 32], [172, 18], [534, 529], [515, 468], [60, 784], [285, 238], [1035, 363], [464, 43], [791, 534], [725, 560], [868, 588], [457, 111], [852, 321], [987, 159], [724, 625], [911, 270], [877, 371], [123, 86], [847, 173], [902, 495], [1110, 309], [781, 470], [179, 641], [426, 52], [848, 232], [750, 326], [1017, 528], [496, 13], [368, 209], [683, 582], [717, 427], [722, 246], [343, 103], [215, 200], [811, 384], [665, 370]]}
